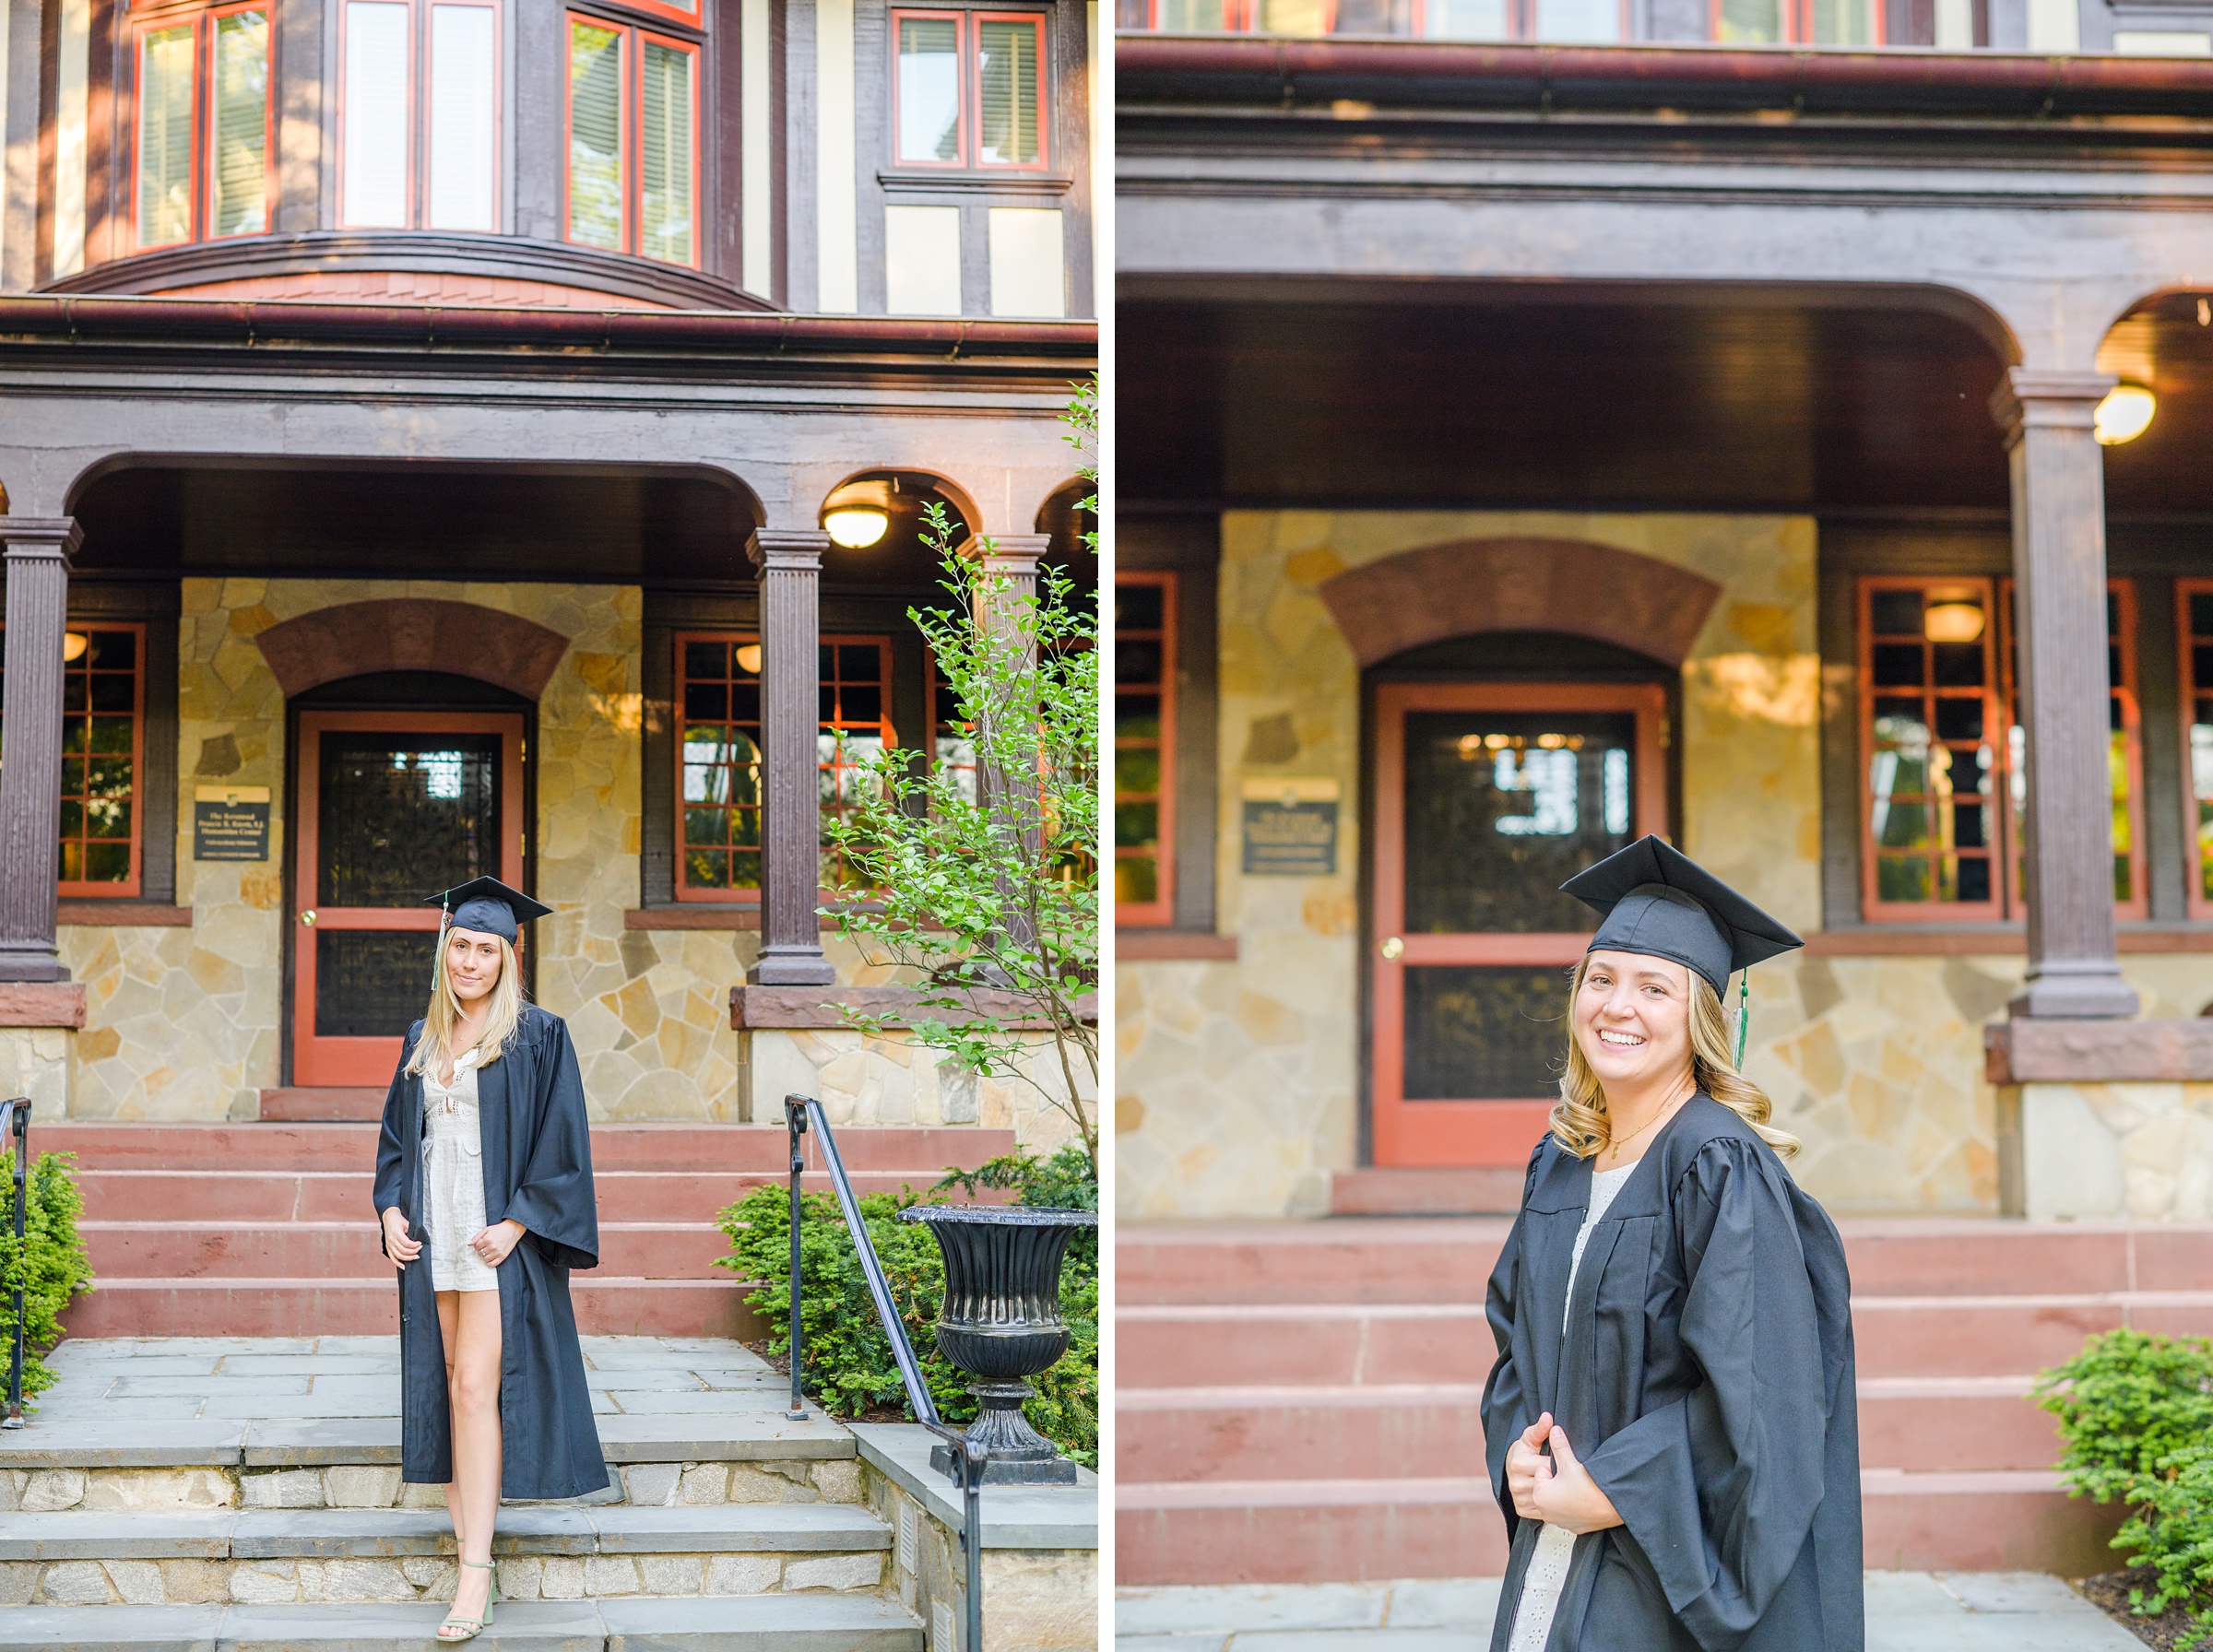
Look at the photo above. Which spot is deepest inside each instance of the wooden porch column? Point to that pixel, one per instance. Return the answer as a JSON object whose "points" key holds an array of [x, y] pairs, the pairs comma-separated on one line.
{"points": [[1013, 558], [789, 566], [39, 548], [2059, 585]]}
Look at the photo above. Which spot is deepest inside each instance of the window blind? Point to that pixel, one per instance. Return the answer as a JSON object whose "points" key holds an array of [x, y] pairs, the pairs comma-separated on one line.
{"points": [[595, 136], [1007, 72], [665, 154], [374, 130], [238, 196], [165, 79], [464, 144], [929, 90]]}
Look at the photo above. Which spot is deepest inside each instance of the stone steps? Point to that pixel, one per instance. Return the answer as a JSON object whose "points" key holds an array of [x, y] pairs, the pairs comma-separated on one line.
{"points": [[606, 1306], [752, 1624], [337, 1250]]}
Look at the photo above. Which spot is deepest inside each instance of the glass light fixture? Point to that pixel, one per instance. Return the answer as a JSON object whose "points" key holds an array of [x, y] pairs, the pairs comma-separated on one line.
{"points": [[749, 657], [74, 643], [856, 526], [2124, 414], [1953, 621]]}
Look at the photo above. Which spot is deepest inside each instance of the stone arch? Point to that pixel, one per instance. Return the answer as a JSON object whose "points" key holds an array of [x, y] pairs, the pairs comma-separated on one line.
{"points": [[411, 633], [1464, 587]]}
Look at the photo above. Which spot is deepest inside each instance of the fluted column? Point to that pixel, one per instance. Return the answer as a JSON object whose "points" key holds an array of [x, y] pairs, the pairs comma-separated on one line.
{"points": [[37, 554], [1009, 575], [2059, 626], [789, 564]]}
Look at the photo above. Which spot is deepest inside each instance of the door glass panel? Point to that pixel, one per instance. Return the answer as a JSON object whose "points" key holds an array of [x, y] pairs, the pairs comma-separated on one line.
{"points": [[403, 816], [1501, 809], [371, 984], [1485, 1032]]}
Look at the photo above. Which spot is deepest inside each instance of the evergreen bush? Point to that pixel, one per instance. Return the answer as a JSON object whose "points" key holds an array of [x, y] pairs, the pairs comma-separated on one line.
{"points": [[50, 1264], [849, 1365], [2136, 1415]]}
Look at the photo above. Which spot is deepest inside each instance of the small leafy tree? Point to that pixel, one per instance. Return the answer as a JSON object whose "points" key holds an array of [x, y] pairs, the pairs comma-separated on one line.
{"points": [[986, 870], [48, 1266]]}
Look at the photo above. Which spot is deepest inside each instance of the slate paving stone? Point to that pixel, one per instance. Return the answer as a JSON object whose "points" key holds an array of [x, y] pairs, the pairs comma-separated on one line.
{"points": [[153, 1365], [229, 1386], [129, 1408], [726, 1528], [76, 1534], [126, 1443], [393, 1533], [657, 1402], [540, 1626], [247, 1408], [112, 1628], [310, 1364], [1248, 1607], [742, 1437], [760, 1623], [316, 1442]]}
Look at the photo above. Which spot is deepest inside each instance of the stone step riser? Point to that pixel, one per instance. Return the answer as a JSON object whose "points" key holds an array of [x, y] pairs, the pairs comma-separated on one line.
{"points": [[1945, 1531], [429, 1577], [605, 1306], [757, 1482], [690, 1149], [1450, 1261], [346, 1195], [1938, 1433], [350, 1250], [1891, 1339]]}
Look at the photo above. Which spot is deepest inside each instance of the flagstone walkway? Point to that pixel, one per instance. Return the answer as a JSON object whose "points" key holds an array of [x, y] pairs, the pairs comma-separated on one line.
{"points": [[1907, 1612]]}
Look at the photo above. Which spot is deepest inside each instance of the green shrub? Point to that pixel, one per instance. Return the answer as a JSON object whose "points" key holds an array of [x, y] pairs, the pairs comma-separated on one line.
{"points": [[849, 1364], [49, 1266], [2136, 1415]]}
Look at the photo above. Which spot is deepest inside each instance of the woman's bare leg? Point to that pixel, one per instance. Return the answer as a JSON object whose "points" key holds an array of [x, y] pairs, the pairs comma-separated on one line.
{"points": [[473, 1498]]}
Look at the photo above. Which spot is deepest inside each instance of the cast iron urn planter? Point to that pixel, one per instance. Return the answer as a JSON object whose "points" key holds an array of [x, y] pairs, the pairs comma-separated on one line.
{"points": [[1001, 1325]]}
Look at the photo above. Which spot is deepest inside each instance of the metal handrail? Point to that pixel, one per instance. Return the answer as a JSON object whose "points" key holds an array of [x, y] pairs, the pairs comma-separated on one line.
{"points": [[967, 1458], [15, 1121]]}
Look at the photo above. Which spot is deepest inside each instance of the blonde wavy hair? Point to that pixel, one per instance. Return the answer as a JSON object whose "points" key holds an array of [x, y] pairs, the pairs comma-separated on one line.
{"points": [[444, 1013], [1579, 1120]]}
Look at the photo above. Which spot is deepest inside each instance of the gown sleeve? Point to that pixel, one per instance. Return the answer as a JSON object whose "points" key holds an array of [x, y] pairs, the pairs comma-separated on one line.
{"points": [[1719, 1488], [389, 1161], [1504, 1395], [554, 1200]]}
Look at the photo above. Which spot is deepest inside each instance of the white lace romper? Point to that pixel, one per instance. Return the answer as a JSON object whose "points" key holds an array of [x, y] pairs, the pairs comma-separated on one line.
{"points": [[1547, 1572], [453, 1178]]}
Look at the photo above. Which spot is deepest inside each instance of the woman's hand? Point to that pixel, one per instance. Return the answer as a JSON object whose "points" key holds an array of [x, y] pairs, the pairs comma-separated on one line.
{"points": [[1524, 1459], [398, 1248], [496, 1241], [1562, 1492]]}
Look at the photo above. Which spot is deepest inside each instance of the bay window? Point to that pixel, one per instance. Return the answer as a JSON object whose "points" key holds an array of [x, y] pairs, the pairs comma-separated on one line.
{"points": [[967, 89], [419, 115], [202, 149], [632, 182]]}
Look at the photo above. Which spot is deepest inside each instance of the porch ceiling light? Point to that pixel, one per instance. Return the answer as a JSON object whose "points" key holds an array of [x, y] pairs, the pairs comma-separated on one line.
{"points": [[856, 526], [74, 643], [2124, 414], [1953, 622]]}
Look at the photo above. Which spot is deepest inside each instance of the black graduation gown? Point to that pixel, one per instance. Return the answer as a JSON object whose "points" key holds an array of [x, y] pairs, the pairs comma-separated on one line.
{"points": [[1706, 1383], [537, 1168]]}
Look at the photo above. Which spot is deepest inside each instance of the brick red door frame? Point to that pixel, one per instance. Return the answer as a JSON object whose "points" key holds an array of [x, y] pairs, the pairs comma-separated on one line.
{"points": [[370, 1061], [1473, 1132]]}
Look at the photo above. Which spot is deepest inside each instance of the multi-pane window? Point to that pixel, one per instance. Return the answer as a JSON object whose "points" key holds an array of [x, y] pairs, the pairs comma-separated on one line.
{"points": [[953, 742], [202, 148], [2194, 620], [1797, 22], [1563, 21], [967, 88], [633, 140], [718, 780], [1145, 736], [419, 115], [2124, 749], [1945, 803], [103, 721]]}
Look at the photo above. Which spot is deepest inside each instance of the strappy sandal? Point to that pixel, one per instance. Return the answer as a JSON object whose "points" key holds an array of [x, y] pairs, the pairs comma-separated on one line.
{"points": [[468, 1629]]}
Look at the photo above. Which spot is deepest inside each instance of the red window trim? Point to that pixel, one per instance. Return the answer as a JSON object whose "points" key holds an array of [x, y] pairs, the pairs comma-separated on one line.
{"points": [[202, 19], [1996, 831], [2138, 905], [630, 114], [1796, 20], [2200, 908], [1159, 912], [1242, 16], [80, 887], [421, 67], [969, 89], [666, 8], [880, 641]]}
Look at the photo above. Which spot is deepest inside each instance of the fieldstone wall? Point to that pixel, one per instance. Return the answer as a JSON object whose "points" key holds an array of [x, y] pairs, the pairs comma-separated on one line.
{"points": [[35, 1061], [2140, 1151], [871, 1078]]}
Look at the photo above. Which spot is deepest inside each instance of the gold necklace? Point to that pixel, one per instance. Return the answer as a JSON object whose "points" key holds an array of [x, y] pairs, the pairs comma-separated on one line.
{"points": [[1619, 1142]]}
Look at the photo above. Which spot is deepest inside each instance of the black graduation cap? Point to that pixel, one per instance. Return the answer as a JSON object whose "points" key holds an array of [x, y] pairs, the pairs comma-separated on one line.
{"points": [[1659, 901], [490, 907]]}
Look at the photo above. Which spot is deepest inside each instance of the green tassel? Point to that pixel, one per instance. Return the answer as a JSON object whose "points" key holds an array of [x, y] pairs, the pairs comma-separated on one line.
{"points": [[1743, 1014]]}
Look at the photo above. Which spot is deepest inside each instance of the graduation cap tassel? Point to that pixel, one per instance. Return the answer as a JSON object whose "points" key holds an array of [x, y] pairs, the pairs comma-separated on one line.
{"points": [[1743, 1014]]}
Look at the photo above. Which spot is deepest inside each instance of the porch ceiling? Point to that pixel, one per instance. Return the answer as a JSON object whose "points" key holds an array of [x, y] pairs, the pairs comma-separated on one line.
{"points": [[1416, 395]]}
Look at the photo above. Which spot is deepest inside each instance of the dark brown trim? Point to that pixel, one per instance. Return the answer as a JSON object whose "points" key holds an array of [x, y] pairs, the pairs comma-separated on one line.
{"points": [[412, 634], [123, 915], [1142, 946], [1994, 941], [706, 914], [1281, 74]]}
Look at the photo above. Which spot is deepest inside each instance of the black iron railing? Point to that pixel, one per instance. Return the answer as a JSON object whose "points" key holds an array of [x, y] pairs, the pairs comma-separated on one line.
{"points": [[15, 1124], [969, 1459]]}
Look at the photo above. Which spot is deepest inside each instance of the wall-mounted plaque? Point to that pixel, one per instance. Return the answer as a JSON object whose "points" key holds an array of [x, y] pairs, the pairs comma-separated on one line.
{"points": [[231, 822], [1290, 828]]}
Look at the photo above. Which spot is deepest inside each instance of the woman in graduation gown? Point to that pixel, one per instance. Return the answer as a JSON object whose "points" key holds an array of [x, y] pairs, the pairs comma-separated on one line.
{"points": [[1671, 1425], [484, 1194]]}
